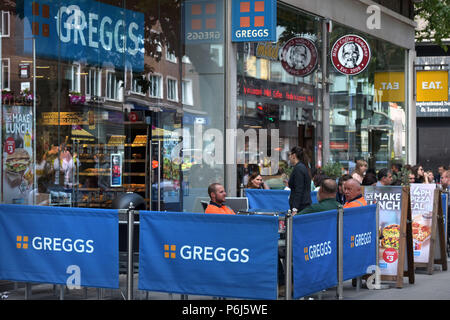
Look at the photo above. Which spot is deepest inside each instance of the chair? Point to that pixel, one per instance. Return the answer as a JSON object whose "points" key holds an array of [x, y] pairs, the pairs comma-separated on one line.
{"points": [[204, 204]]}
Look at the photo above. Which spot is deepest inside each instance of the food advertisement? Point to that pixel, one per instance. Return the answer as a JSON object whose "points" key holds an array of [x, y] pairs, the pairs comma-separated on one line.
{"points": [[422, 199], [18, 169], [390, 212]]}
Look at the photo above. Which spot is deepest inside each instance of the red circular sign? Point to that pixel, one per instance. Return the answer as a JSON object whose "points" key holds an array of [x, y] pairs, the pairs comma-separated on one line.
{"points": [[390, 255], [133, 116], [10, 145], [350, 54], [299, 56]]}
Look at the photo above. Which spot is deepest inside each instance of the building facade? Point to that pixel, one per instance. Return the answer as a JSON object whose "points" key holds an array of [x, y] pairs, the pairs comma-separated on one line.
{"points": [[100, 98]]}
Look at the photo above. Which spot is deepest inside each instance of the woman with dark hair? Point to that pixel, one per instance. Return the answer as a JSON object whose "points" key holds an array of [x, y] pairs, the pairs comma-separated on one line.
{"points": [[418, 172], [299, 181], [255, 181], [369, 180]]}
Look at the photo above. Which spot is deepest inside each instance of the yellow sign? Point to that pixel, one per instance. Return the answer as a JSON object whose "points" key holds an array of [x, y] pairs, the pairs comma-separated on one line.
{"points": [[432, 85], [64, 118], [390, 86]]}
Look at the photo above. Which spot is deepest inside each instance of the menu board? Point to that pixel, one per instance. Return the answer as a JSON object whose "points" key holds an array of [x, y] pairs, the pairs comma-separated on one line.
{"points": [[18, 169], [422, 206], [390, 212]]}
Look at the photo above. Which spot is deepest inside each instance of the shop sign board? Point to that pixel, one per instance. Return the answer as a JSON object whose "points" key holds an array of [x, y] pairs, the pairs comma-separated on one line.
{"points": [[18, 170], [390, 86], [350, 54], [203, 21], [299, 56], [88, 31], [432, 85], [433, 109], [253, 21]]}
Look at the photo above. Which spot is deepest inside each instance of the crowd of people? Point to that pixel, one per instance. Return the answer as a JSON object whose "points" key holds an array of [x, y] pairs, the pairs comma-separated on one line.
{"points": [[331, 193]]}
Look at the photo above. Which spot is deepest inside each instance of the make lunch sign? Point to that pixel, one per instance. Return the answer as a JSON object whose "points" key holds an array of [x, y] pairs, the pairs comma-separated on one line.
{"points": [[395, 233], [350, 54]]}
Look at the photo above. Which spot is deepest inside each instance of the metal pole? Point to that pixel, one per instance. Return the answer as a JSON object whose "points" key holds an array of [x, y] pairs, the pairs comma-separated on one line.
{"points": [[130, 252], [340, 261], [288, 273], [159, 175]]}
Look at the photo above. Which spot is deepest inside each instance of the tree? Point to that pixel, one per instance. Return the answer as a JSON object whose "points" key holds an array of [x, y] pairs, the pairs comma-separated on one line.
{"points": [[435, 15]]}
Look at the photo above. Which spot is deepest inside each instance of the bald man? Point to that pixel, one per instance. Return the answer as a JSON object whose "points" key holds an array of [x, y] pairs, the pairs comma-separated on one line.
{"points": [[352, 191]]}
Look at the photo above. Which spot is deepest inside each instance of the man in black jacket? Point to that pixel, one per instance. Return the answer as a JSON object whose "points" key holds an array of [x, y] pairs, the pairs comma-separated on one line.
{"points": [[299, 181]]}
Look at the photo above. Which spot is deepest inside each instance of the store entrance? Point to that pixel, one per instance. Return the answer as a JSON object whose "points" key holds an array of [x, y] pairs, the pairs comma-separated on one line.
{"points": [[378, 148]]}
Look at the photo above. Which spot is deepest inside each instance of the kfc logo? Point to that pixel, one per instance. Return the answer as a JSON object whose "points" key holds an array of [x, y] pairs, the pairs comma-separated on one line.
{"points": [[350, 54], [299, 56]]}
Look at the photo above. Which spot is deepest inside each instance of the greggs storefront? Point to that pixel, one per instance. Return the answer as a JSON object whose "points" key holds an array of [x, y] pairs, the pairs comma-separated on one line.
{"points": [[100, 98]]}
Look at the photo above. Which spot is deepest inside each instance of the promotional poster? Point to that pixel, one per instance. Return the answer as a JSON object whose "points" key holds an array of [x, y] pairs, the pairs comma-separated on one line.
{"points": [[390, 212], [18, 171], [422, 199]]}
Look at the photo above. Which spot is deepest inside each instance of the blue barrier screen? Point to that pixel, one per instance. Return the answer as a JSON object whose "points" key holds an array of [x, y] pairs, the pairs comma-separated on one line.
{"points": [[56, 245], [314, 249], [209, 254], [271, 200], [360, 245]]}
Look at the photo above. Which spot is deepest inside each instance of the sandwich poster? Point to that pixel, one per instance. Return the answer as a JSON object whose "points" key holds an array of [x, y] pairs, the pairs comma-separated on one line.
{"points": [[17, 136], [390, 212]]}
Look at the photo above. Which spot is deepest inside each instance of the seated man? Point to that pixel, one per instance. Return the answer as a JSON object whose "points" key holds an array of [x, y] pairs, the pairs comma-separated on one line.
{"points": [[326, 197], [217, 194], [352, 191], [384, 177]]}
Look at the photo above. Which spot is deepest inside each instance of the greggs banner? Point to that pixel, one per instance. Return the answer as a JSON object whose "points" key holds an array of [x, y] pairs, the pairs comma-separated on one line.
{"points": [[274, 200], [360, 236], [68, 246], [209, 254], [314, 250]]}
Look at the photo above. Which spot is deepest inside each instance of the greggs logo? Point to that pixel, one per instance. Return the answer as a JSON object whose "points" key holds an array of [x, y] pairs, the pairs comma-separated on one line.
{"points": [[206, 253], [317, 250], [22, 242], [361, 239], [253, 19], [55, 244]]}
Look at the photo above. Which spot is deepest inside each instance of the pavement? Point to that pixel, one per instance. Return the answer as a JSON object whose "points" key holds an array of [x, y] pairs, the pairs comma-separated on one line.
{"points": [[426, 287]]}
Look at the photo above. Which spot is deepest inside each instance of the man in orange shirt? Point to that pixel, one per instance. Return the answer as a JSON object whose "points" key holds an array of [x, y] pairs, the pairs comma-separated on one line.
{"points": [[217, 194], [352, 191]]}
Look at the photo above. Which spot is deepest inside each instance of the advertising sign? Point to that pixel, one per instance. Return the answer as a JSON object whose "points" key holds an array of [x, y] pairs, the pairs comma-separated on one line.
{"points": [[209, 254], [68, 246], [18, 139], [253, 20], [422, 206], [360, 241], [203, 21], [314, 252], [299, 56], [390, 86], [389, 200], [88, 31], [350, 54], [116, 170], [432, 85]]}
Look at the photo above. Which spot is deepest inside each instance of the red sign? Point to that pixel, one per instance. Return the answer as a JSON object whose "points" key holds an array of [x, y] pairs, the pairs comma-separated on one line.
{"points": [[390, 255], [339, 145], [133, 116], [10, 145], [350, 54], [276, 94]]}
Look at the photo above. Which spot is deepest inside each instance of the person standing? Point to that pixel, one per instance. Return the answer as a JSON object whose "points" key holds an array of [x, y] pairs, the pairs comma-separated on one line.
{"points": [[299, 181], [360, 170]]}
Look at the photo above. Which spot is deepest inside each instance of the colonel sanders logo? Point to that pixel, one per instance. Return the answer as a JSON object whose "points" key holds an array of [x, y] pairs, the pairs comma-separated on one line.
{"points": [[299, 56], [350, 54]]}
